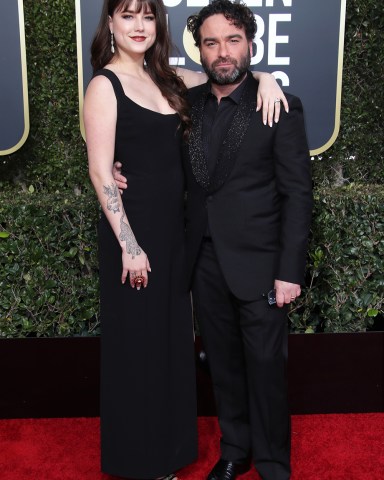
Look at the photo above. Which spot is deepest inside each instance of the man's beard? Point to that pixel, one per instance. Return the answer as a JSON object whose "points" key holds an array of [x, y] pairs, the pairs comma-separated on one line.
{"points": [[224, 77]]}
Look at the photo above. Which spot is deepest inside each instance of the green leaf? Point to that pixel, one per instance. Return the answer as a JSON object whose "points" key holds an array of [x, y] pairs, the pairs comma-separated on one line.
{"points": [[27, 277], [50, 284]]}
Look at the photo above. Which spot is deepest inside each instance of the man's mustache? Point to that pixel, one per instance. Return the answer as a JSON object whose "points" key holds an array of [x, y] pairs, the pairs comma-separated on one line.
{"points": [[224, 60]]}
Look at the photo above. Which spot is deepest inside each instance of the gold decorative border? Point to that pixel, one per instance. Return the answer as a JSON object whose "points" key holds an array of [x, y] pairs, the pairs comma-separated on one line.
{"points": [[23, 57], [336, 130], [80, 73]]}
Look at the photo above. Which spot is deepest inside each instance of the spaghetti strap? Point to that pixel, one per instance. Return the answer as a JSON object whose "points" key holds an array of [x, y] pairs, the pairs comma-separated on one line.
{"points": [[114, 79]]}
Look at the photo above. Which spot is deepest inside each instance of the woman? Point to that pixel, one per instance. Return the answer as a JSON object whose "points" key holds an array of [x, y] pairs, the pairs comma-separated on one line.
{"points": [[135, 112]]}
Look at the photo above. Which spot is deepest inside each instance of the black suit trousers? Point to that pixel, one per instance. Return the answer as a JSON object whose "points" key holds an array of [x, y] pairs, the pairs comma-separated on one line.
{"points": [[246, 346]]}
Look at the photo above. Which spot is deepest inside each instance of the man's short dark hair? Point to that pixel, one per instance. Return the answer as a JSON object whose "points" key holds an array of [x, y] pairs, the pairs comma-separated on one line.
{"points": [[236, 12]]}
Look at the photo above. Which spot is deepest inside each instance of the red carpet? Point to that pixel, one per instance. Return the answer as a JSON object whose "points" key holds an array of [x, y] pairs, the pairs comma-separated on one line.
{"points": [[324, 447]]}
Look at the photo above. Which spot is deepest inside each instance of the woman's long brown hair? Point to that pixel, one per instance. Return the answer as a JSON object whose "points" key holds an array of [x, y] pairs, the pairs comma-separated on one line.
{"points": [[156, 57]]}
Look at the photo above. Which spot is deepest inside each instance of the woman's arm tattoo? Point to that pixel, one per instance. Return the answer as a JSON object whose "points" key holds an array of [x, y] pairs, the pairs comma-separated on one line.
{"points": [[113, 197], [127, 236]]}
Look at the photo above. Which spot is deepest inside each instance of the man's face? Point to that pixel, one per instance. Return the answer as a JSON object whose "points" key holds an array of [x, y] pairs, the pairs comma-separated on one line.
{"points": [[224, 50]]}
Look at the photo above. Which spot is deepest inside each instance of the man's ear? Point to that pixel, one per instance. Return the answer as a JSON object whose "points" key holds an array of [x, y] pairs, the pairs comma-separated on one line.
{"points": [[252, 49]]}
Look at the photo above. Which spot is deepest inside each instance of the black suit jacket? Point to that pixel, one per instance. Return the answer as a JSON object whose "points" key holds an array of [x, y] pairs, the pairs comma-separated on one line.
{"points": [[258, 202]]}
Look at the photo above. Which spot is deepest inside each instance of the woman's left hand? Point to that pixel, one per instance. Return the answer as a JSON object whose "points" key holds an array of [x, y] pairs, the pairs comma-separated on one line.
{"points": [[270, 96]]}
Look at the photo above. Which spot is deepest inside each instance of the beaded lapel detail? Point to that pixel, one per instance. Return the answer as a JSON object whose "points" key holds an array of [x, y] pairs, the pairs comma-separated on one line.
{"points": [[196, 150]]}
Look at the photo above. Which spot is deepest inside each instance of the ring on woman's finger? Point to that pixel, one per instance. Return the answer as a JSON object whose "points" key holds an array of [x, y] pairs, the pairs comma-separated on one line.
{"points": [[139, 280], [277, 100]]}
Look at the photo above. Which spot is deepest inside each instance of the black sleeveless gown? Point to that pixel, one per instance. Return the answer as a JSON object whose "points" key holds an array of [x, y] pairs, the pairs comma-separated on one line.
{"points": [[148, 404]]}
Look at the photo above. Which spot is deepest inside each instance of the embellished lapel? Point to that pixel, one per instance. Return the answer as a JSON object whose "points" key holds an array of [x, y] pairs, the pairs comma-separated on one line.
{"points": [[235, 135], [195, 148]]}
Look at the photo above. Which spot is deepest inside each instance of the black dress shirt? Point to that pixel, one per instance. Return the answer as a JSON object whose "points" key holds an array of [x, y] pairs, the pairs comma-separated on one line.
{"points": [[216, 122]]}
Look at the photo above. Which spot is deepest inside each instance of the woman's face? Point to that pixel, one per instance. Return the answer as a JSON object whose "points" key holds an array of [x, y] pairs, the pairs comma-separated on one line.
{"points": [[134, 32]]}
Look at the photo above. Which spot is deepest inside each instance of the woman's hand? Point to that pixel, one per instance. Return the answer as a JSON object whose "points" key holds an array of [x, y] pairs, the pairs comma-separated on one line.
{"points": [[270, 96], [135, 266]]}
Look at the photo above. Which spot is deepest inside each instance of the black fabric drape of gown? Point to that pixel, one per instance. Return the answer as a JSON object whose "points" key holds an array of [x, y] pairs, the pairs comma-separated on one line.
{"points": [[148, 403]]}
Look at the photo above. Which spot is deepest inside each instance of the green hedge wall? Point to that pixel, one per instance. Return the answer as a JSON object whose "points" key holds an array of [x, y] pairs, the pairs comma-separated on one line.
{"points": [[48, 265], [357, 155], [345, 285], [49, 278], [48, 215]]}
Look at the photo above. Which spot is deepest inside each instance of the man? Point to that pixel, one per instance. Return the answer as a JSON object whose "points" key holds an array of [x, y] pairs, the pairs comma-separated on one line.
{"points": [[248, 215]]}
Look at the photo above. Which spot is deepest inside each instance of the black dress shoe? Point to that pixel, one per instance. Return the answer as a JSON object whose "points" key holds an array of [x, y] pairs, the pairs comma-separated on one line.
{"points": [[225, 470]]}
